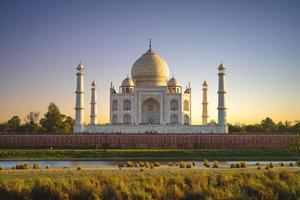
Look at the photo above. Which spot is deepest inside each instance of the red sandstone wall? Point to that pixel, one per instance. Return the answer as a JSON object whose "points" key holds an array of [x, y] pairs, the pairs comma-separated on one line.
{"points": [[146, 141]]}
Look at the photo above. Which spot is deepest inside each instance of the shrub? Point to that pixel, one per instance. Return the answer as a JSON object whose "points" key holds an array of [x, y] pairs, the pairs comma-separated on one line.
{"points": [[243, 164], [170, 164], [48, 166], [156, 164], [194, 163], [142, 164], [147, 165], [291, 164], [257, 163], [298, 163], [23, 166], [216, 164], [188, 165], [141, 169], [271, 165], [237, 165], [129, 164], [232, 165], [121, 165], [182, 165], [79, 168], [205, 163], [258, 167], [13, 167], [267, 167], [1, 168], [36, 165], [282, 164], [137, 165]]}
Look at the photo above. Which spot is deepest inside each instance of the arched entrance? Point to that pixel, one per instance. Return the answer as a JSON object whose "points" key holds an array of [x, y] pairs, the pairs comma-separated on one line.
{"points": [[150, 111]]}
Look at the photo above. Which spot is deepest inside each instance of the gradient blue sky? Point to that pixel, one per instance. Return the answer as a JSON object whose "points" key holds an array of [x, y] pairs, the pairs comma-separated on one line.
{"points": [[42, 42]]}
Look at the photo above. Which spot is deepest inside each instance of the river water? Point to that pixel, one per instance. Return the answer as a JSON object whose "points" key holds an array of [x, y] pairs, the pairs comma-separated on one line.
{"points": [[67, 163]]}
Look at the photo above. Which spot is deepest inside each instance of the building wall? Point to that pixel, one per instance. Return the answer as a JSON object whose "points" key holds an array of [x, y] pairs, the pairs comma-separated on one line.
{"points": [[157, 128], [146, 141]]}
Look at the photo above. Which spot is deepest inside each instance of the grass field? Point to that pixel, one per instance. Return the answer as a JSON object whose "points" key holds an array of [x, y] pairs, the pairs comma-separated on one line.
{"points": [[162, 182], [147, 154]]}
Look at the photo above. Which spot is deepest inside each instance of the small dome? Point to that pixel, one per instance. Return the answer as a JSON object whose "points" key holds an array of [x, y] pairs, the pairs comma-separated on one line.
{"points": [[150, 70], [80, 66], [173, 82], [127, 82]]}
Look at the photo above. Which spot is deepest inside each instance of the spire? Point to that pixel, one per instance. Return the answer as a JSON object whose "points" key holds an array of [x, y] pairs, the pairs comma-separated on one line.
{"points": [[150, 45]]}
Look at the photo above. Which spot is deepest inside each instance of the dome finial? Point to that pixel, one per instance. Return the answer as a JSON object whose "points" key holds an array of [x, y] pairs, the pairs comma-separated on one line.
{"points": [[150, 45]]}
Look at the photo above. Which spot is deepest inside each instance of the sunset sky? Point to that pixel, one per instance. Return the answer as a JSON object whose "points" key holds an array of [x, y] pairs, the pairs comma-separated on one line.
{"points": [[42, 42]]}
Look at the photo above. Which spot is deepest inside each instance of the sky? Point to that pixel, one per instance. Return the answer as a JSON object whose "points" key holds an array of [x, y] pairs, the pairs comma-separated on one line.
{"points": [[42, 42]]}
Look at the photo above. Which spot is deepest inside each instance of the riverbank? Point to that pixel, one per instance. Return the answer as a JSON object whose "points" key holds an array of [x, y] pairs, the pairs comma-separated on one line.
{"points": [[162, 182], [147, 154]]}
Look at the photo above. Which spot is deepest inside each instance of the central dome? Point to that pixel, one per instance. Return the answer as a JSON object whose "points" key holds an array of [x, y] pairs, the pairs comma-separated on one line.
{"points": [[150, 70]]}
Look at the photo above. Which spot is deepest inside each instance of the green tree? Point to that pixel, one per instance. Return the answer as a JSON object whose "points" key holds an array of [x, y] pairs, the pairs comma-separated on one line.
{"points": [[31, 124], [14, 124], [268, 124], [68, 123], [53, 120], [296, 127]]}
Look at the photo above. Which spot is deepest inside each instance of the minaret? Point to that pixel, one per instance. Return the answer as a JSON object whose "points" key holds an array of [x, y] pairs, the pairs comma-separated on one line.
{"points": [[221, 96], [94, 112], [79, 109], [204, 104]]}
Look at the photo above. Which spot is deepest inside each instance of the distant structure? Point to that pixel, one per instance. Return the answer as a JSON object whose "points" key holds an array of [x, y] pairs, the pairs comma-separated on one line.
{"points": [[94, 112], [204, 104], [79, 108], [150, 102]]}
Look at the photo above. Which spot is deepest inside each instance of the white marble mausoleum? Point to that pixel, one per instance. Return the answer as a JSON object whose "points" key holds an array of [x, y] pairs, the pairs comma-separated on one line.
{"points": [[150, 102]]}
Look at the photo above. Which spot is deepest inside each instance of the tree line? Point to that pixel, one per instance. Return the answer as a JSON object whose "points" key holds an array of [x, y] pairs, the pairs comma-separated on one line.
{"points": [[267, 125], [53, 121]]}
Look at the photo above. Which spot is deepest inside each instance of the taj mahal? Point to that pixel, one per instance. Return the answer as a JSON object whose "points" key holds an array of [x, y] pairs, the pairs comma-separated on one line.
{"points": [[149, 102]]}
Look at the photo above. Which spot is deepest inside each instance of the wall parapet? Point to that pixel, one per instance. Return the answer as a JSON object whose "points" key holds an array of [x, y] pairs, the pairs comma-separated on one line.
{"points": [[220, 141]]}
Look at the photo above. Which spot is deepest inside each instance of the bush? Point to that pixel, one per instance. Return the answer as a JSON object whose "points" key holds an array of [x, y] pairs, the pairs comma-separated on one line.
{"points": [[170, 164], [121, 165], [232, 165], [267, 167], [1, 168], [243, 164], [156, 164], [205, 163], [36, 165], [194, 163], [291, 164], [182, 165], [271, 165], [237, 165], [188, 165], [79, 168], [298, 163], [147, 165], [258, 167], [257, 163], [141, 169], [129, 164], [48, 166], [23, 166], [137, 165], [216, 164], [282, 164], [142, 164]]}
